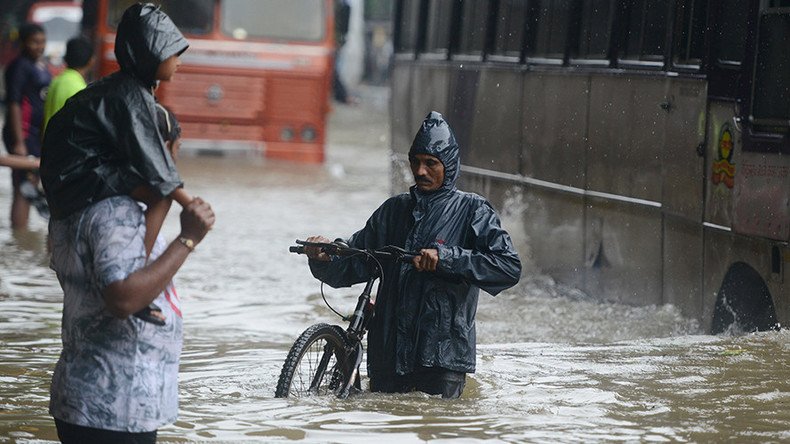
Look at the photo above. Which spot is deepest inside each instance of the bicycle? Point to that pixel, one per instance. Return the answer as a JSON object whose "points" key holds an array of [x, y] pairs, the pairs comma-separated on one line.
{"points": [[325, 358]]}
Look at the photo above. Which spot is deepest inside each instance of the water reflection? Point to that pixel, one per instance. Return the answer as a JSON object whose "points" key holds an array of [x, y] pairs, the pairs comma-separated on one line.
{"points": [[553, 365]]}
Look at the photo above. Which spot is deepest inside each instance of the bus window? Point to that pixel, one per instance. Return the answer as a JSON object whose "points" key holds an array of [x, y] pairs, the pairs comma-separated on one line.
{"points": [[378, 9], [409, 19], [771, 88], [474, 27], [596, 29], [690, 32], [553, 18], [510, 24], [730, 32], [647, 30], [296, 20], [194, 17], [437, 36]]}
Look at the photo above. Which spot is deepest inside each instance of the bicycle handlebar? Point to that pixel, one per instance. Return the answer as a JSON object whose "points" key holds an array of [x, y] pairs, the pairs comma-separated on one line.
{"points": [[339, 248]]}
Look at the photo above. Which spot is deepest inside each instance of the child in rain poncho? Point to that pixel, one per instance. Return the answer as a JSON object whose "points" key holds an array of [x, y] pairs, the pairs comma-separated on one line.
{"points": [[104, 142]]}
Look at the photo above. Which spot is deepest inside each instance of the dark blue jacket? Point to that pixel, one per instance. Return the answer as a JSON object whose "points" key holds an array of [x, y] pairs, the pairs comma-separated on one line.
{"points": [[423, 318]]}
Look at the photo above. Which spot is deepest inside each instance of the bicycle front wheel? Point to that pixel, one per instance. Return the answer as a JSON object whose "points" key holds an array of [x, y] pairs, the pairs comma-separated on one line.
{"points": [[317, 364]]}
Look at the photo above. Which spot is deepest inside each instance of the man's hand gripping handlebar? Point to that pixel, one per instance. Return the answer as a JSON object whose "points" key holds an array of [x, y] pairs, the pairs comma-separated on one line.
{"points": [[321, 248]]}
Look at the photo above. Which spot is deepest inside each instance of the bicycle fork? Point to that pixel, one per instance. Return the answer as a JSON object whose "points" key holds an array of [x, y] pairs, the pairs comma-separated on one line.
{"points": [[322, 365], [356, 331], [354, 372]]}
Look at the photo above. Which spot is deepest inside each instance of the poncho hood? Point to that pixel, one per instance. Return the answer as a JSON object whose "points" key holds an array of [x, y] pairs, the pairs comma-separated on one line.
{"points": [[146, 37], [435, 137]]}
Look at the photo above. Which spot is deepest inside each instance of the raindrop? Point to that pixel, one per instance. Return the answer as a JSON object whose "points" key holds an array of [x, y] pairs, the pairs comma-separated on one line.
{"points": [[337, 171]]}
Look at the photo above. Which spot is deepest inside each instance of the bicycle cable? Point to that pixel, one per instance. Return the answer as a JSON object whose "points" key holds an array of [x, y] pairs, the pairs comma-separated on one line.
{"points": [[381, 278], [323, 296]]}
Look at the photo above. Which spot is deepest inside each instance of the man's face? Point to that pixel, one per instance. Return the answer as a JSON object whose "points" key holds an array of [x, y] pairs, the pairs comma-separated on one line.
{"points": [[428, 171], [34, 45]]}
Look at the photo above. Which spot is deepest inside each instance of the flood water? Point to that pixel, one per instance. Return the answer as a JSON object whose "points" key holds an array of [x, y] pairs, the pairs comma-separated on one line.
{"points": [[553, 365]]}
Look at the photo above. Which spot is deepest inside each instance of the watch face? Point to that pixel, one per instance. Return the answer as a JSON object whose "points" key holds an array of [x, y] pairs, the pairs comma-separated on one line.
{"points": [[189, 243]]}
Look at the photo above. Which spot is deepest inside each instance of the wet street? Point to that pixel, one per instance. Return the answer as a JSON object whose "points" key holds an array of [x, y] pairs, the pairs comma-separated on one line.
{"points": [[553, 365]]}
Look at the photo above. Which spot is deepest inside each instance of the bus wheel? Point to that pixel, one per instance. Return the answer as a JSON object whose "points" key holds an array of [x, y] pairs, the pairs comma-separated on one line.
{"points": [[744, 303]]}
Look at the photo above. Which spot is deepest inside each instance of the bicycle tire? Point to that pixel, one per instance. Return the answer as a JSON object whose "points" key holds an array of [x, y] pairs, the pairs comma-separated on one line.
{"points": [[302, 373]]}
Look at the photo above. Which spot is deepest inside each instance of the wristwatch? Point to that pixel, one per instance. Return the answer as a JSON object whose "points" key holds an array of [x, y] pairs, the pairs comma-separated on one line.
{"points": [[187, 242]]}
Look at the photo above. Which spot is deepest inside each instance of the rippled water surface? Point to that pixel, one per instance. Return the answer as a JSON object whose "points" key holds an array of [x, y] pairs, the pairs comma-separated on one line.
{"points": [[553, 365]]}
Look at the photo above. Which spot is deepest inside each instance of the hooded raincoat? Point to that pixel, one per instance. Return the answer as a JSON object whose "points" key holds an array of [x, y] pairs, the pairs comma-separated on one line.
{"points": [[104, 142], [422, 318]]}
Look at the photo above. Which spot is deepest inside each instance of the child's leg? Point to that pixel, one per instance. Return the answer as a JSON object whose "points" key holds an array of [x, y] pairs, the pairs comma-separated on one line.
{"points": [[155, 214], [181, 196], [154, 218], [157, 208]]}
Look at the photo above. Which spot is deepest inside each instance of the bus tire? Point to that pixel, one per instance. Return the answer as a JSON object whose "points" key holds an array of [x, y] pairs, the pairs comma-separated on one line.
{"points": [[744, 303]]}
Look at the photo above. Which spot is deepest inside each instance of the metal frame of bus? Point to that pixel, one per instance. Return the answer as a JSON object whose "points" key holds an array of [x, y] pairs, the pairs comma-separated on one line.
{"points": [[634, 176], [271, 96]]}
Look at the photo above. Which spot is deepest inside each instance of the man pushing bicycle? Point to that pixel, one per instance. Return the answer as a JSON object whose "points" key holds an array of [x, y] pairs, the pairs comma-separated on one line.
{"points": [[422, 336]]}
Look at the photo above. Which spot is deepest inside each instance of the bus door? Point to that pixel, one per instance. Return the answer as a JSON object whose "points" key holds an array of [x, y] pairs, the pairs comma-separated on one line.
{"points": [[762, 187], [747, 176], [730, 22]]}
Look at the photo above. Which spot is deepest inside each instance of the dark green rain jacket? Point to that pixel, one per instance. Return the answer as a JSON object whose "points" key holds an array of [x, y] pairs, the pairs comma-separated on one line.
{"points": [[423, 318], [104, 141]]}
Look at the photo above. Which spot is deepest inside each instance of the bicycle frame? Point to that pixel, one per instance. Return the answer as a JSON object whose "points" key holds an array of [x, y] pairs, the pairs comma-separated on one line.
{"points": [[347, 344], [358, 327]]}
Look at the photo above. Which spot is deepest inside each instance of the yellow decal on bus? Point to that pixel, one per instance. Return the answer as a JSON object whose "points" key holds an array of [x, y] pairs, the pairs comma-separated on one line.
{"points": [[724, 167]]}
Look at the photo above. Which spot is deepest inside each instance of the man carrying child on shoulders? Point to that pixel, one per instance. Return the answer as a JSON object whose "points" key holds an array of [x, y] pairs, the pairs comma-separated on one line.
{"points": [[117, 376]]}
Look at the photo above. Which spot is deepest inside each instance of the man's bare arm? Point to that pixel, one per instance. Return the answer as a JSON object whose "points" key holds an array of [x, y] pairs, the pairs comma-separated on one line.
{"points": [[140, 288]]}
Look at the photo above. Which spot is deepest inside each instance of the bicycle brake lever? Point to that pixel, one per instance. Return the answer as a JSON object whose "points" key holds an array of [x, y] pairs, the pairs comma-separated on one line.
{"points": [[330, 248], [341, 243]]}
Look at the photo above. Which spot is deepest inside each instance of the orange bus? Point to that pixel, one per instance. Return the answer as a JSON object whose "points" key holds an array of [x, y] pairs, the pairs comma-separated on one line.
{"points": [[257, 73]]}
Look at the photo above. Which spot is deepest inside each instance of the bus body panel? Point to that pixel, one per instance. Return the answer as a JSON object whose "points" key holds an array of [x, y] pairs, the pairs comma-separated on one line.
{"points": [[401, 125], [627, 265], [495, 140], [432, 85], [682, 153], [461, 108], [626, 136], [554, 226], [762, 195], [555, 109], [683, 265], [718, 256]]}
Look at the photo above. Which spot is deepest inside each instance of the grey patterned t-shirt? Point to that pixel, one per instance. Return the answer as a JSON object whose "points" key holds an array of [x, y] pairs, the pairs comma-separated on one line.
{"points": [[113, 374]]}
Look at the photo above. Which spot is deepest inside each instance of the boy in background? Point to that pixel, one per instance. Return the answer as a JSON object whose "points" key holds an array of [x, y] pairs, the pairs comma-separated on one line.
{"points": [[79, 61], [26, 80]]}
